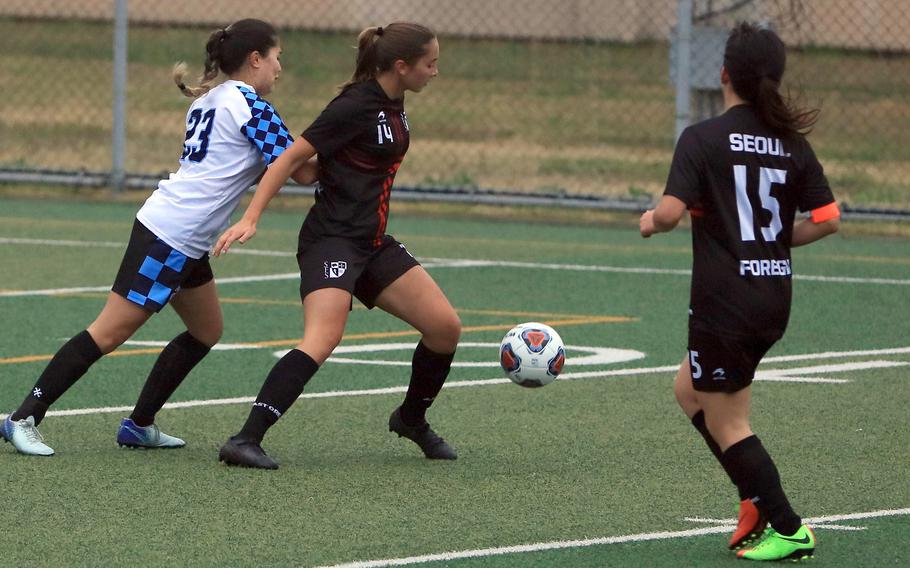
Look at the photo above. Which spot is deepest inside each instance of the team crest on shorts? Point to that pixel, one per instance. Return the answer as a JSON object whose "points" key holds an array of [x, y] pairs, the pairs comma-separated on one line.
{"points": [[335, 268]]}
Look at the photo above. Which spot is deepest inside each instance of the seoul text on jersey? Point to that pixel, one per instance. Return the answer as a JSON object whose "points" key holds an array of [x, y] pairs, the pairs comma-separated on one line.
{"points": [[757, 145]]}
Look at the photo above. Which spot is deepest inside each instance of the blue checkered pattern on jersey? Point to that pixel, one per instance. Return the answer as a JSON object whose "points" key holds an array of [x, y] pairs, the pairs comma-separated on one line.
{"points": [[265, 130], [158, 277]]}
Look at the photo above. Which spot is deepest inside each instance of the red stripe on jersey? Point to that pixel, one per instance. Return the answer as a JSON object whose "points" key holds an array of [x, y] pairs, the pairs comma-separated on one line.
{"points": [[695, 212], [825, 213], [383, 210]]}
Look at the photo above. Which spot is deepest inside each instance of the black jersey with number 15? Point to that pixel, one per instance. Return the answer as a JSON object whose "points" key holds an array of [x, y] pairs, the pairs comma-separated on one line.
{"points": [[743, 184], [361, 138]]}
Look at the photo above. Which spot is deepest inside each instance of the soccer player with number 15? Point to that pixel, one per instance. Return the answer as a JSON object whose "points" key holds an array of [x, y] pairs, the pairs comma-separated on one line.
{"points": [[742, 176]]}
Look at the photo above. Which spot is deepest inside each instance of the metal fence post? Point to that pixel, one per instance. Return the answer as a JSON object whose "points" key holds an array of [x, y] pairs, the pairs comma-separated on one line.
{"points": [[683, 63], [118, 134]]}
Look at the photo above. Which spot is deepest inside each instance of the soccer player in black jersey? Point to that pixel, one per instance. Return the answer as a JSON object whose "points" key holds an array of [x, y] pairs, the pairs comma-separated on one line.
{"points": [[360, 138], [742, 176]]}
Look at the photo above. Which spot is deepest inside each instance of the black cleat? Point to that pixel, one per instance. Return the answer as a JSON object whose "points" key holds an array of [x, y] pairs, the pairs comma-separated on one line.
{"points": [[245, 453], [432, 444]]}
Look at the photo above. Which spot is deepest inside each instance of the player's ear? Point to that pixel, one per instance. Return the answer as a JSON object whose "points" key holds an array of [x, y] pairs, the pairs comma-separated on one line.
{"points": [[724, 75], [401, 66], [254, 59]]}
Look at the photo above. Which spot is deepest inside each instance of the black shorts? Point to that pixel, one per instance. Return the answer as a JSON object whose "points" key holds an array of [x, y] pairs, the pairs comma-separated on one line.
{"points": [[151, 271], [724, 364], [361, 269]]}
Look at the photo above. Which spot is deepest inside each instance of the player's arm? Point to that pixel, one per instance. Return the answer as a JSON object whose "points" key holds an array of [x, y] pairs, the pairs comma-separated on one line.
{"points": [[277, 174], [307, 174], [820, 223], [662, 218]]}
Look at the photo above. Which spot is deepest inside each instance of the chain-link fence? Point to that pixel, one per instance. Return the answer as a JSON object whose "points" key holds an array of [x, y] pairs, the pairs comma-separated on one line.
{"points": [[553, 96]]}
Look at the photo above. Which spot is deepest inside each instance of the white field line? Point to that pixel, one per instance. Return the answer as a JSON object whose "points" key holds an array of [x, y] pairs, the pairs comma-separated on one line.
{"points": [[502, 381], [216, 347], [837, 354], [62, 243], [557, 545], [427, 262], [732, 523], [460, 263], [849, 528], [83, 289], [122, 245]]}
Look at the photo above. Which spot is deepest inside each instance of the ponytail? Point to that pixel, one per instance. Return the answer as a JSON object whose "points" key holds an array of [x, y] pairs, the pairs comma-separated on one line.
{"points": [[378, 48], [755, 59], [781, 114], [226, 51], [365, 68]]}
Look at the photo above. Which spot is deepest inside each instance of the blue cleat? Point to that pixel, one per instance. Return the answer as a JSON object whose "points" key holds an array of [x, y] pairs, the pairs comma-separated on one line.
{"points": [[133, 436]]}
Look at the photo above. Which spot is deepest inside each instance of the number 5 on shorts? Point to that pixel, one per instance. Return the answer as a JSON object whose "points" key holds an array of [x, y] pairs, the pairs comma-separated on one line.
{"points": [[696, 368]]}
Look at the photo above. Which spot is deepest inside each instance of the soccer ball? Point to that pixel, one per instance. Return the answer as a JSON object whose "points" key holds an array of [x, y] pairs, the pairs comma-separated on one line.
{"points": [[532, 354]]}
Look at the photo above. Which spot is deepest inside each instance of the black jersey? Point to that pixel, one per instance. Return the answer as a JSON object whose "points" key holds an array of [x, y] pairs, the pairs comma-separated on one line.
{"points": [[361, 138], [743, 184]]}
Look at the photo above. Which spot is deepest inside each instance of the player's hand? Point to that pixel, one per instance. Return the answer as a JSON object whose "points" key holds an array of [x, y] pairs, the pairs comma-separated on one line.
{"points": [[646, 223], [241, 232]]}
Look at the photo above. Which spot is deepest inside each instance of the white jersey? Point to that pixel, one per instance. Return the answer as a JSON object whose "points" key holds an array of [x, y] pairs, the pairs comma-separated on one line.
{"points": [[231, 136]]}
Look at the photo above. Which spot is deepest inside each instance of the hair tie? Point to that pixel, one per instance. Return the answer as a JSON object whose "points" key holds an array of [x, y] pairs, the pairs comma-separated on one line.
{"points": [[379, 31], [181, 86], [224, 34]]}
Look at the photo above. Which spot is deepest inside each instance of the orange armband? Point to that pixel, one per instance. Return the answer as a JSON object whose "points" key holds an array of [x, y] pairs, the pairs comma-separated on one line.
{"points": [[825, 213]]}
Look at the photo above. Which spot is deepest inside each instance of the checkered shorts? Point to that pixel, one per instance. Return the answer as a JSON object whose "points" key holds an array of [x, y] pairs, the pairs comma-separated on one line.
{"points": [[152, 272]]}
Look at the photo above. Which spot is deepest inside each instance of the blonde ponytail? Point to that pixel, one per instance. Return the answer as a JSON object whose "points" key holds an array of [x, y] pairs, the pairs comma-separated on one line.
{"points": [[180, 72]]}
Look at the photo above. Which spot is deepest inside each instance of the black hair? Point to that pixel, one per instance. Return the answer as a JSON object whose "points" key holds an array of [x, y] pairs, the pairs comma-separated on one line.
{"points": [[755, 59], [378, 48], [226, 50]]}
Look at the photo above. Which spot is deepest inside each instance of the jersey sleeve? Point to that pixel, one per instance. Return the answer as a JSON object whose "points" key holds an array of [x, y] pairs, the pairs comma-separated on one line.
{"points": [[265, 129], [339, 123], [814, 192], [684, 181]]}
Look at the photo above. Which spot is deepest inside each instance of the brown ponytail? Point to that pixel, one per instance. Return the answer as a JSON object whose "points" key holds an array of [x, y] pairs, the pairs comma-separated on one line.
{"points": [[226, 50], [755, 58], [378, 48]]}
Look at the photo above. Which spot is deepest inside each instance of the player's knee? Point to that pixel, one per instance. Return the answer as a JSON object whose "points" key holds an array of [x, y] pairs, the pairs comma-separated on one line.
{"points": [[320, 346], [685, 395], [208, 336], [447, 332], [109, 339]]}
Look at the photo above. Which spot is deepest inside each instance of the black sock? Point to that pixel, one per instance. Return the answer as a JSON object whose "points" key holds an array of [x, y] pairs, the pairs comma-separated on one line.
{"points": [[755, 473], [68, 365], [698, 420], [172, 366], [281, 388], [428, 373]]}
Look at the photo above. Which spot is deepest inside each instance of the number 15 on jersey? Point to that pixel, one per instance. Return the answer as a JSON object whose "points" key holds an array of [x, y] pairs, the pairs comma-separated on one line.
{"points": [[766, 178]]}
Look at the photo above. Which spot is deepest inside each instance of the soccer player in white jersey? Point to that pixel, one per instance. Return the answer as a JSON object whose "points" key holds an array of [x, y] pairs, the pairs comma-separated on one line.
{"points": [[742, 176], [232, 135]]}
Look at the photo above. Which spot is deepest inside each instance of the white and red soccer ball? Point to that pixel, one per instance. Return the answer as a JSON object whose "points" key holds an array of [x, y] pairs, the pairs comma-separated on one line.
{"points": [[532, 354]]}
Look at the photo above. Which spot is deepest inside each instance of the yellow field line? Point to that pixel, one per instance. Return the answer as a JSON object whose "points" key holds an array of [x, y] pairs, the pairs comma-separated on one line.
{"points": [[34, 358], [351, 337], [296, 303], [539, 315]]}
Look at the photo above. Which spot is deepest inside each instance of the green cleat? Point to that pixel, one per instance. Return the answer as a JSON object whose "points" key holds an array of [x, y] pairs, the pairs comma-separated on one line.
{"points": [[775, 546]]}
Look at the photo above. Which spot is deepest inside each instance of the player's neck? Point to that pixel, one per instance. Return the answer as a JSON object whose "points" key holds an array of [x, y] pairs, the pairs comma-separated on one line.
{"points": [[244, 76], [731, 99], [390, 85]]}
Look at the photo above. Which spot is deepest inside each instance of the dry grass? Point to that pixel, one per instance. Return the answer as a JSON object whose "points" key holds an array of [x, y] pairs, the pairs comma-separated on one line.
{"points": [[574, 118]]}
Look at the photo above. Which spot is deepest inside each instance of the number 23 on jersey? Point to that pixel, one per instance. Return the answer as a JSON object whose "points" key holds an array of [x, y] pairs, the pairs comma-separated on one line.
{"points": [[196, 142]]}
